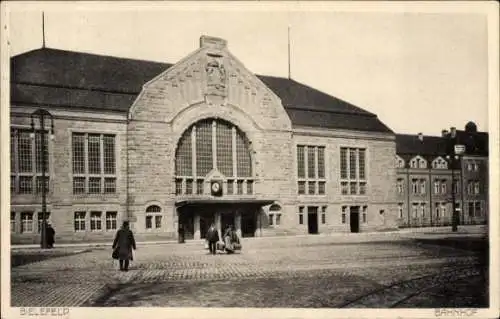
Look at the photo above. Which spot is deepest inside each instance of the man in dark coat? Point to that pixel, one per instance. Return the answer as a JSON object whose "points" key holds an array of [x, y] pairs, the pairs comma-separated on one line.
{"points": [[50, 233], [212, 238], [123, 244]]}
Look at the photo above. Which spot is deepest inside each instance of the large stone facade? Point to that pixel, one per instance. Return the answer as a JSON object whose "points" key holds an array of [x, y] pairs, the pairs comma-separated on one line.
{"points": [[211, 84]]}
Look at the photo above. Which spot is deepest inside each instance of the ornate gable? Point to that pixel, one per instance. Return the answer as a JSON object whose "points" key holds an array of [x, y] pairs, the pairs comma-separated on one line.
{"points": [[212, 79]]}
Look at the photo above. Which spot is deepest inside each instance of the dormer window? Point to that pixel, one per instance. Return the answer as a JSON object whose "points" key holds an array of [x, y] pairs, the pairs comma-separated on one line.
{"points": [[440, 163], [400, 163], [418, 162]]}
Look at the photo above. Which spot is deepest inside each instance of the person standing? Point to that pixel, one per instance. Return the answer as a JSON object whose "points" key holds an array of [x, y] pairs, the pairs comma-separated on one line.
{"points": [[50, 233], [123, 244], [212, 238]]}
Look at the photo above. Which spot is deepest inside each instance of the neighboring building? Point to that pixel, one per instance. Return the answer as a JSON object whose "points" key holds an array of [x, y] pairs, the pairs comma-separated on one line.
{"points": [[424, 178], [201, 141]]}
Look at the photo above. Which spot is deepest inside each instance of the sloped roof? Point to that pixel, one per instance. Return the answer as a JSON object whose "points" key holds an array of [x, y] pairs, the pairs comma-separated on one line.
{"points": [[54, 77], [407, 146]]}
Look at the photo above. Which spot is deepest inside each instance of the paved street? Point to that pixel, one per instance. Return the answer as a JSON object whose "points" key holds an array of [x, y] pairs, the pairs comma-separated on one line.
{"points": [[359, 270]]}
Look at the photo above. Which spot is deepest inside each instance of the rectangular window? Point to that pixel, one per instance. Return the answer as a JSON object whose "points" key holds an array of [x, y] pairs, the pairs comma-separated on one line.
{"points": [[471, 209], [278, 219], [343, 163], [414, 210], [25, 184], [323, 215], [436, 186], [422, 210], [12, 184], [400, 185], [443, 187], [230, 187], [111, 220], [24, 151], [39, 184], [79, 221], [94, 163], [422, 186], [477, 209], [414, 186], [12, 222], [400, 210], [344, 211], [301, 215], [158, 221], [178, 186], [199, 187], [39, 149], [456, 186], [95, 221], [40, 220], [189, 186], [271, 219], [26, 222], [353, 171], [321, 188], [313, 173], [365, 209], [476, 187], [249, 187], [239, 185], [149, 222]]}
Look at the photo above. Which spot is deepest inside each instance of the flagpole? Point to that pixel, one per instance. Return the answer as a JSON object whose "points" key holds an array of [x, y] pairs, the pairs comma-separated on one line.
{"points": [[289, 67]]}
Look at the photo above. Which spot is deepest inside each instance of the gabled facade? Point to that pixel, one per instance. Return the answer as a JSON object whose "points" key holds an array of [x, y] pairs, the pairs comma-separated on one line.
{"points": [[182, 146], [425, 183]]}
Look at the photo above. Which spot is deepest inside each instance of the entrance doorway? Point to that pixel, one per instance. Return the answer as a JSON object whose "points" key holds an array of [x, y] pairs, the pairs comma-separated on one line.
{"points": [[205, 221], [226, 220], [186, 220], [248, 225], [354, 219], [312, 220]]}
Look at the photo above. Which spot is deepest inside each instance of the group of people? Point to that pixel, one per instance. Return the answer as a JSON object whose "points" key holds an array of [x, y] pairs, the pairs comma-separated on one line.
{"points": [[229, 244]]}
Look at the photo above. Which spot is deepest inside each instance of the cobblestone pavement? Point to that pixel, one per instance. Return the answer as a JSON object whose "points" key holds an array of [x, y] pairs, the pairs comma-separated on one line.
{"points": [[315, 271]]}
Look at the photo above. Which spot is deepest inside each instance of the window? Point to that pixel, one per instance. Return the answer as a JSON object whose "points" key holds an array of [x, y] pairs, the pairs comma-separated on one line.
{"points": [[474, 209], [418, 162], [414, 186], [301, 215], [400, 210], [414, 210], [13, 222], [437, 187], [153, 213], [111, 220], [26, 222], [274, 215], [477, 209], [323, 215], [414, 163], [353, 171], [95, 221], [423, 186], [400, 186], [365, 209], [94, 163], [469, 166], [26, 162], [422, 210], [456, 186], [477, 188], [443, 187], [470, 187], [436, 209], [213, 144], [311, 169], [40, 220], [400, 163], [79, 221], [439, 163], [344, 211], [476, 167]]}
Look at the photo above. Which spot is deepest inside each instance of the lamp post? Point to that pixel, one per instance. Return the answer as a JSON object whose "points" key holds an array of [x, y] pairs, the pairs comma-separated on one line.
{"points": [[42, 114], [454, 152]]}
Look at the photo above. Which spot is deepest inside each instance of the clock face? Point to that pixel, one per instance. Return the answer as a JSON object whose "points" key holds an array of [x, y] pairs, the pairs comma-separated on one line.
{"points": [[215, 187]]}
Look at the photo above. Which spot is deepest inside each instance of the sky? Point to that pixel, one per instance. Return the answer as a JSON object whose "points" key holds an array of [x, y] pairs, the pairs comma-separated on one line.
{"points": [[418, 71]]}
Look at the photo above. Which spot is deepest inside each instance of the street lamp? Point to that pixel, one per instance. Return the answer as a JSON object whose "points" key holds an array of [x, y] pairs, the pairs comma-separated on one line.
{"points": [[42, 114], [454, 152]]}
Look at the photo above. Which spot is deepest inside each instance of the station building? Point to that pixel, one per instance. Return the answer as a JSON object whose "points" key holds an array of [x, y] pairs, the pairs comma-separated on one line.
{"points": [[204, 140]]}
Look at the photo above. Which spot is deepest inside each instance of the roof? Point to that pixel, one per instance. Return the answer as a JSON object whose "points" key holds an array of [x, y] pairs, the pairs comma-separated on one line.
{"points": [[55, 78], [408, 146]]}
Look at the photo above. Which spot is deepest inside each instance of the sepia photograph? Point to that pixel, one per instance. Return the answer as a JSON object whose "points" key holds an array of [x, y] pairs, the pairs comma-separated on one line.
{"points": [[249, 159]]}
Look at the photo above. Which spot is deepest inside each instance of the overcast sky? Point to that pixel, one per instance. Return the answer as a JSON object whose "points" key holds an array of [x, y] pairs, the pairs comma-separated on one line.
{"points": [[419, 72]]}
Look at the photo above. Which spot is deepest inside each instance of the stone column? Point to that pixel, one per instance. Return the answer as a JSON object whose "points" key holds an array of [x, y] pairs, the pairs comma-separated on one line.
{"points": [[197, 233], [258, 223], [237, 223]]}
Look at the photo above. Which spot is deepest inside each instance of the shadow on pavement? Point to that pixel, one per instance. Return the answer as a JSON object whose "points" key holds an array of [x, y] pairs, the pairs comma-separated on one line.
{"points": [[27, 257]]}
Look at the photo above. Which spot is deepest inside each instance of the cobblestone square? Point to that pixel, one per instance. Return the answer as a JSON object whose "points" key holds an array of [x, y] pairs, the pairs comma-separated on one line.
{"points": [[381, 271]]}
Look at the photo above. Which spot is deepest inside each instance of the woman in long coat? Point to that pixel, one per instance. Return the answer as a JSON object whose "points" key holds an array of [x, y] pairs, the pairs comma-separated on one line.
{"points": [[123, 244]]}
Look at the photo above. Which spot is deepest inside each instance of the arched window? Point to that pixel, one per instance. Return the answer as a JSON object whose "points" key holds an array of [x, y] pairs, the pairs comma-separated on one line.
{"points": [[439, 163], [400, 163], [213, 144], [153, 217]]}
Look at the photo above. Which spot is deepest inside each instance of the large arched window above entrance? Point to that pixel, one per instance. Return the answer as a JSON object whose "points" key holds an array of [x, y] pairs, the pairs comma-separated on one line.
{"points": [[213, 144]]}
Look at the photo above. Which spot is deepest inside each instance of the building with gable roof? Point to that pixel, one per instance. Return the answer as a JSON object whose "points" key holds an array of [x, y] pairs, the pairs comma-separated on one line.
{"points": [[425, 179], [181, 146]]}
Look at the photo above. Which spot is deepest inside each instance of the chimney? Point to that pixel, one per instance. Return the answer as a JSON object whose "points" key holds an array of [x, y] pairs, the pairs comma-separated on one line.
{"points": [[212, 42], [453, 132], [421, 137], [444, 133]]}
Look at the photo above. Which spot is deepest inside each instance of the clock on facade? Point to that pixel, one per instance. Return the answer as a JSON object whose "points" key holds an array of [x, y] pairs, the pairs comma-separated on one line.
{"points": [[216, 188]]}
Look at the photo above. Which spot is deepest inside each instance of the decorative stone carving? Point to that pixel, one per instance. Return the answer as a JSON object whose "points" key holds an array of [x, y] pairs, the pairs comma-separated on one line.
{"points": [[216, 76]]}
